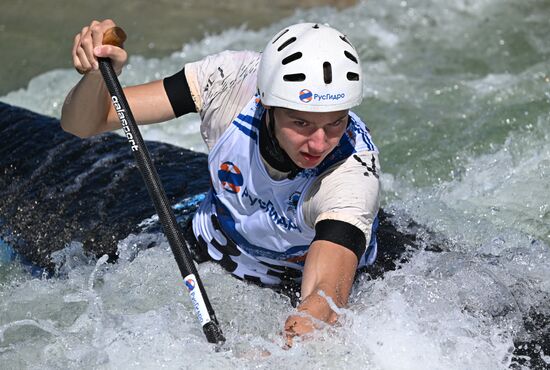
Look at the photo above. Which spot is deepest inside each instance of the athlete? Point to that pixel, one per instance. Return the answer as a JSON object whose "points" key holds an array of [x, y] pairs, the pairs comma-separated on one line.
{"points": [[295, 174]]}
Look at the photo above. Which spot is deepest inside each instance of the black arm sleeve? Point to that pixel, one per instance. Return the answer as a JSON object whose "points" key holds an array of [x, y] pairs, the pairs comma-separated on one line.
{"points": [[179, 94], [342, 233]]}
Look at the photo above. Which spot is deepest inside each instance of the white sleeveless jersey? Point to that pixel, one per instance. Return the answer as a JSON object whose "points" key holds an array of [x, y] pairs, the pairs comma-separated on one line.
{"points": [[253, 225]]}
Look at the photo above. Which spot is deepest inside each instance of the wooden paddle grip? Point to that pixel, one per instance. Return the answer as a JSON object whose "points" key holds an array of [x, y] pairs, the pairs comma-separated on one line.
{"points": [[114, 36]]}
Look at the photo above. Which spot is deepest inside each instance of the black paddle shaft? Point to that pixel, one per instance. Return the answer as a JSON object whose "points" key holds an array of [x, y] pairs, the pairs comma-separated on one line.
{"points": [[156, 191]]}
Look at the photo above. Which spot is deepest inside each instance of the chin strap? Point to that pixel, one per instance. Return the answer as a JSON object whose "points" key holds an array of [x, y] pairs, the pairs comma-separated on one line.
{"points": [[272, 152]]}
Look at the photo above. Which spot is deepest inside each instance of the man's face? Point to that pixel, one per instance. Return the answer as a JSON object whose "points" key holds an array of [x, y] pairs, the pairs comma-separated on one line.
{"points": [[307, 137]]}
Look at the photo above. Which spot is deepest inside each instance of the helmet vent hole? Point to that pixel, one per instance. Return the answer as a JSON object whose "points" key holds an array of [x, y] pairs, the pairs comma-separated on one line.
{"points": [[353, 76], [286, 43], [292, 58], [296, 77], [280, 35], [327, 72], [351, 57], [344, 38]]}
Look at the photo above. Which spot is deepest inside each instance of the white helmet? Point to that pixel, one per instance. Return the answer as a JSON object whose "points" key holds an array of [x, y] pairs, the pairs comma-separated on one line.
{"points": [[310, 67]]}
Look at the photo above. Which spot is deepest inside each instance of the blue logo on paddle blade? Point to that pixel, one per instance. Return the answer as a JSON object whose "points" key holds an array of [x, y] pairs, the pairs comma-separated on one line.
{"points": [[230, 177], [190, 284], [306, 95]]}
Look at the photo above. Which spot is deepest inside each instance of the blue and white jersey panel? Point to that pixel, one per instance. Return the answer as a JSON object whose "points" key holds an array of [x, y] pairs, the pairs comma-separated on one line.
{"points": [[252, 224]]}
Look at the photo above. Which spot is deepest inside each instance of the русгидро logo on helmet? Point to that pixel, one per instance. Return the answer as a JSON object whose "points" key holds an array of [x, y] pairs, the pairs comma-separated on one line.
{"points": [[306, 96]]}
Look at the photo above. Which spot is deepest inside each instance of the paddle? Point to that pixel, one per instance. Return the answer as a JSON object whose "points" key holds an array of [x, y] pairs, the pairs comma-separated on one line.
{"points": [[210, 326]]}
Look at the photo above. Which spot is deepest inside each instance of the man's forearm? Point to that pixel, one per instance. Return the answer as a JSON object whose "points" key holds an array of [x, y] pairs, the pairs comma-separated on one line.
{"points": [[330, 269], [86, 107]]}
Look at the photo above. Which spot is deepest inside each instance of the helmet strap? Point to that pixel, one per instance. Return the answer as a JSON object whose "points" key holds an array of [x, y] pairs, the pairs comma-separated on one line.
{"points": [[271, 151]]}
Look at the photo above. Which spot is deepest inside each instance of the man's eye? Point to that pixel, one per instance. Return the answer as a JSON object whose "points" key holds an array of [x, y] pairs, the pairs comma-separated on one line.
{"points": [[300, 123]]}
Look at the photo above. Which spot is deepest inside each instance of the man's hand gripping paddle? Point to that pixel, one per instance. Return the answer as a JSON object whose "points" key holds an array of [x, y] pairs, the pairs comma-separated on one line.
{"points": [[116, 36]]}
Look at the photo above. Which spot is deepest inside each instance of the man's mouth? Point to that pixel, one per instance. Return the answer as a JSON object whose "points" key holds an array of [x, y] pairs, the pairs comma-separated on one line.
{"points": [[310, 158]]}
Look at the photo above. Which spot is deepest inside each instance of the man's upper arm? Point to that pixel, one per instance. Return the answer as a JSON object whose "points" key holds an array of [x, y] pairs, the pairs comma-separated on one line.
{"points": [[342, 204], [149, 104], [221, 85]]}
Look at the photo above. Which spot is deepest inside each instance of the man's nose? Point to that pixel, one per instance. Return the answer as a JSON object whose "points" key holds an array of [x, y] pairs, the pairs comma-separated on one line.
{"points": [[318, 142]]}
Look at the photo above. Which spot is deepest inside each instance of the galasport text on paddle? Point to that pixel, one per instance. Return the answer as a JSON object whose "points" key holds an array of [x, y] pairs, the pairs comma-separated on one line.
{"points": [[210, 326]]}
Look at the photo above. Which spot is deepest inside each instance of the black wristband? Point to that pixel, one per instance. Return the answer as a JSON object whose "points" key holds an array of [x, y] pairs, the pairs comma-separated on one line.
{"points": [[179, 94], [342, 233]]}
